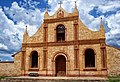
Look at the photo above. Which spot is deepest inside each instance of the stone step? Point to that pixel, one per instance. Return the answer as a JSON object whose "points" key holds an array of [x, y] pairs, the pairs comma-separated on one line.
{"points": [[54, 79]]}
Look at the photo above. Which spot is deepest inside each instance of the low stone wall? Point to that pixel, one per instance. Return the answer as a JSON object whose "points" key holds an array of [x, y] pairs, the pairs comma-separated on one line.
{"points": [[113, 61], [11, 68], [6, 68]]}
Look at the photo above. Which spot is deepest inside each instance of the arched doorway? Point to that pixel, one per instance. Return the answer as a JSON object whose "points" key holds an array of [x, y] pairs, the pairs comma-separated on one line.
{"points": [[60, 65]]}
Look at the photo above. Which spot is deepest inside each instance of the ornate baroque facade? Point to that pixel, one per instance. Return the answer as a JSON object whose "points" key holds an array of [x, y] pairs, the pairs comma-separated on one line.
{"points": [[64, 46]]}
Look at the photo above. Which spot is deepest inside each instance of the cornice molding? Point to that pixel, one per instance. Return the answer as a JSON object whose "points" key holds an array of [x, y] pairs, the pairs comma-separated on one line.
{"points": [[64, 43]]}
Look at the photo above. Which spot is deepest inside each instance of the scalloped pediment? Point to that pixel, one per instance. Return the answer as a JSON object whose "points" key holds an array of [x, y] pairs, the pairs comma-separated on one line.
{"points": [[60, 13]]}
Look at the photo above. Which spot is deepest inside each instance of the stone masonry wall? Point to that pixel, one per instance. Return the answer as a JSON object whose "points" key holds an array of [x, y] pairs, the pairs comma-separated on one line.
{"points": [[17, 64], [113, 61], [11, 68], [6, 68]]}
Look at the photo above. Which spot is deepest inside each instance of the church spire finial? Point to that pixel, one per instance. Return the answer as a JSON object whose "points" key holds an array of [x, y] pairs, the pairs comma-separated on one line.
{"points": [[26, 31], [26, 28], [60, 3], [46, 15], [75, 9], [102, 35], [75, 5], [101, 19], [47, 9], [25, 36]]}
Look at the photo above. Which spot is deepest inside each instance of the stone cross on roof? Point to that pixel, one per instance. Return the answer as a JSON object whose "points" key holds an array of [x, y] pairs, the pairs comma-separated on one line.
{"points": [[60, 3], [75, 2]]}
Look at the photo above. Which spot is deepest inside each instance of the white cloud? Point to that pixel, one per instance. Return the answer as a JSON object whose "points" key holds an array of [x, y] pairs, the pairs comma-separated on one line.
{"points": [[12, 26], [20, 14], [29, 3], [109, 6], [118, 42], [2, 46], [114, 23]]}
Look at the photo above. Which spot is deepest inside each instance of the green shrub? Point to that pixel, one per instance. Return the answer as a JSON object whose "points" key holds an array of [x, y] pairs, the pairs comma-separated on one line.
{"points": [[114, 78], [2, 77]]}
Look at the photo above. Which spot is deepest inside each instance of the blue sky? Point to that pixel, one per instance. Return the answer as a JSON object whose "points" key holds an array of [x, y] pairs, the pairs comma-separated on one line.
{"points": [[16, 14]]}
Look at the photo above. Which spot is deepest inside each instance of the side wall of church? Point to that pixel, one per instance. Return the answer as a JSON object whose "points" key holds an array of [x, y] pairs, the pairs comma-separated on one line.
{"points": [[113, 61], [11, 68]]}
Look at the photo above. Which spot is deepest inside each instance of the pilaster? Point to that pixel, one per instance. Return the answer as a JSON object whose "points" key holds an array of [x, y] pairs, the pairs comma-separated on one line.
{"points": [[103, 54], [76, 46], [23, 61], [45, 47]]}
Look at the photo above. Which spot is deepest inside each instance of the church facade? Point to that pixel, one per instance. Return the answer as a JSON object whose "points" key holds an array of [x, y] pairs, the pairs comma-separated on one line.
{"points": [[64, 46]]}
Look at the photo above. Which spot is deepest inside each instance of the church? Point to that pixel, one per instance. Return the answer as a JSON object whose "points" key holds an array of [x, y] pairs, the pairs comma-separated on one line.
{"points": [[64, 46]]}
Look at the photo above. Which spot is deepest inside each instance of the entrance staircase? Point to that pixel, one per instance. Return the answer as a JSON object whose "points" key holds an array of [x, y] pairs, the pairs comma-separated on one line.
{"points": [[55, 79]]}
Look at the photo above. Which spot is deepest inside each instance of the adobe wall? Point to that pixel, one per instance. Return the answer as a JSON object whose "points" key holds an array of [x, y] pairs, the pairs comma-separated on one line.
{"points": [[113, 61], [11, 68]]}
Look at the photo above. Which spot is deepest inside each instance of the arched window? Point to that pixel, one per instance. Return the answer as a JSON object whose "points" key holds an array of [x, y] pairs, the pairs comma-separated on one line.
{"points": [[89, 58], [34, 59], [60, 33]]}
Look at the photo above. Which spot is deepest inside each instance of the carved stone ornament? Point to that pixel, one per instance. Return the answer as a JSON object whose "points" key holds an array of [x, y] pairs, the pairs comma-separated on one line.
{"points": [[60, 14], [75, 21]]}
